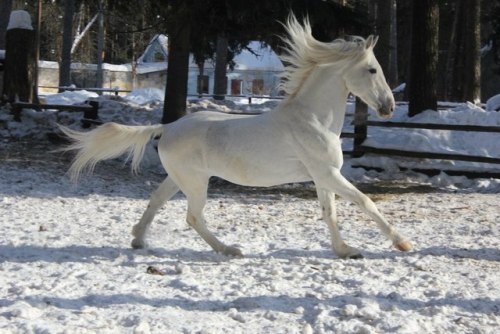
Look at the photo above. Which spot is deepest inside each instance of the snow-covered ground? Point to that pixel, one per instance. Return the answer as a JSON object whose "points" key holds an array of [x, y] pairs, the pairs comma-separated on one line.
{"points": [[66, 264]]}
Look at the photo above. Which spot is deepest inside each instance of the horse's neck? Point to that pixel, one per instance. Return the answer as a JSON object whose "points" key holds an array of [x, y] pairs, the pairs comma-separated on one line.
{"points": [[323, 95]]}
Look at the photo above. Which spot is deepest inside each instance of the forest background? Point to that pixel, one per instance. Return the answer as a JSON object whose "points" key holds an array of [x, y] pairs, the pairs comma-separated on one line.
{"points": [[443, 50]]}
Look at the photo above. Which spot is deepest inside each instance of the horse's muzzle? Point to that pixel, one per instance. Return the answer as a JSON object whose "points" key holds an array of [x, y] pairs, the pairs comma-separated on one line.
{"points": [[387, 109], [385, 112]]}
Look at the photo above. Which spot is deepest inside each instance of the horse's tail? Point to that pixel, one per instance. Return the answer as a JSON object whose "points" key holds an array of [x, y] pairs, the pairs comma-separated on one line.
{"points": [[106, 142]]}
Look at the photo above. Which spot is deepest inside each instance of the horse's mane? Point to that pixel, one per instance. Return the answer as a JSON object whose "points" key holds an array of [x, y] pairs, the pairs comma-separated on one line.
{"points": [[303, 52]]}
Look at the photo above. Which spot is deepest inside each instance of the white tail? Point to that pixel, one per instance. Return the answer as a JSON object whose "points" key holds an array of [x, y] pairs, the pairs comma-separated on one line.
{"points": [[106, 142]]}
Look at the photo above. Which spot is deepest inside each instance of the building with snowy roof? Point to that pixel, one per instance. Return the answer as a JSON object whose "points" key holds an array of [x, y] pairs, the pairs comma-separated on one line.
{"points": [[256, 71]]}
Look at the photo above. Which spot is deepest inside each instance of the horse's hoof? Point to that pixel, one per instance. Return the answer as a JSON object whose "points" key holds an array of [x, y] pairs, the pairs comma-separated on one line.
{"points": [[232, 252], [404, 246], [355, 256], [348, 252], [138, 244]]}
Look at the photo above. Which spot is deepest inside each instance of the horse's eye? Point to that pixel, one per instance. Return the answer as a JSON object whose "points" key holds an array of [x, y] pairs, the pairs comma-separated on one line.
{"points": [[372, 70]]}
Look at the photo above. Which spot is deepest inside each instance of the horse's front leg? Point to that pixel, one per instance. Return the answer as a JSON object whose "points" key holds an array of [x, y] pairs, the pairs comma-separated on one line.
{"points": [[327, 201], [332, 180]]}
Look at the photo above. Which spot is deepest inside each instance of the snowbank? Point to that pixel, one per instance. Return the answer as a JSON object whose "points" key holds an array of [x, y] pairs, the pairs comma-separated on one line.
{"points": [[70, 97], [146, 95], [493, 103]]}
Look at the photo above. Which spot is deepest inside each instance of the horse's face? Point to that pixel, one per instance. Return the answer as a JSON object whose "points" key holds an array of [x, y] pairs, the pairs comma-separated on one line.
{"points": [[365, 79]]}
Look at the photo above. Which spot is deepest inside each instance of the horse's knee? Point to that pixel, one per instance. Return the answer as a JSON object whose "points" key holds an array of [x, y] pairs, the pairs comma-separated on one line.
{"points": [[191, 220]]}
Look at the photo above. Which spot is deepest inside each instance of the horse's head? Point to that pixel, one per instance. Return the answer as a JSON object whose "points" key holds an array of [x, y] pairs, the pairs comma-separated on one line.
{"points": [[365, 79], [353, 60]]}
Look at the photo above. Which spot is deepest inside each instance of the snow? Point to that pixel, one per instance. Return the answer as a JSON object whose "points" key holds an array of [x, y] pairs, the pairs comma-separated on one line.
{"points": [[493, 103], [19, 19], [70, 97], [84, 66], [260, 58], [399, 89], [66, 264], [145, 95]]}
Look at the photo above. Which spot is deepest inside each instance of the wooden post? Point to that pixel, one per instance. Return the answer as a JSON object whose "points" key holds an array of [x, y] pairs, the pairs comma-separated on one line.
{"points": [[360, 127], [20, 65], [90, 114]]}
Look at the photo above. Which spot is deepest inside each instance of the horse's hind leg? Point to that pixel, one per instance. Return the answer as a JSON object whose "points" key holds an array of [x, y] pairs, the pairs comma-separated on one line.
{"points": [[165, 191], [335, 182], [196, 193], [327, 201]]}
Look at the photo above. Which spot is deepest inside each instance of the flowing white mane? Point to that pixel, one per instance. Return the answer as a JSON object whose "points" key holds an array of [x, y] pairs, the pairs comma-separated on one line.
{"points": [[303, 52]]}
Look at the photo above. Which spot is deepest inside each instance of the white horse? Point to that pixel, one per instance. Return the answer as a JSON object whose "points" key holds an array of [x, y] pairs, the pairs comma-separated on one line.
{"points": [[298, 141]]}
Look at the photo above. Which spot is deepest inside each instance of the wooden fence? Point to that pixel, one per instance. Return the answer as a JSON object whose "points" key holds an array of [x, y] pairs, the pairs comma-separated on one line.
{"points": [[362, 124], [90, 110]]}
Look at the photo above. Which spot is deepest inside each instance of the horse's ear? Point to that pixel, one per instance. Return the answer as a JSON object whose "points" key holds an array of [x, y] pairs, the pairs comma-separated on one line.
{"points": [[371, 41]]}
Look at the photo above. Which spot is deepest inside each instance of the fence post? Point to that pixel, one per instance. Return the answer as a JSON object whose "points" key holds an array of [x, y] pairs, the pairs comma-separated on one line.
{"points": [[90, 114], [360, 127], [20, 67], [16, 111]]}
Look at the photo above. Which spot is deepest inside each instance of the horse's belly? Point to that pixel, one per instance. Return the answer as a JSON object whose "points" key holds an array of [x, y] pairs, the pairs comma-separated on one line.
{"points": [[262, 173]]}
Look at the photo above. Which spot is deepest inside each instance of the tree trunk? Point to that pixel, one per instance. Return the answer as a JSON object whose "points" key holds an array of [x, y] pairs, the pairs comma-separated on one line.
{"points": [[67, 41], [100, 46], [403, 17], [464, 63], [5, 9], [472, 68], [177, 73], [424, 57], [20, 67], [220, 80], [383, 30], [80, 35], [452, 55], [392, 75], [457, 56]]}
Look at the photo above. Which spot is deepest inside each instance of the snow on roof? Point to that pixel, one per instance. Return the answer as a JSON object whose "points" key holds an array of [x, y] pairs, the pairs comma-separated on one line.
{"points": [[157, 46], [263, 58], [19, 19]]}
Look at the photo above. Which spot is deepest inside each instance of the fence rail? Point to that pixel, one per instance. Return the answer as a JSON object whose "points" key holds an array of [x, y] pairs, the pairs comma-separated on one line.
{"points": [[435, 126], [362, 124], [90, 110]]}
